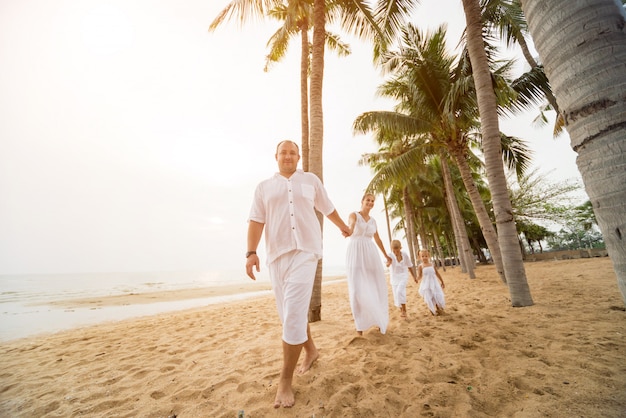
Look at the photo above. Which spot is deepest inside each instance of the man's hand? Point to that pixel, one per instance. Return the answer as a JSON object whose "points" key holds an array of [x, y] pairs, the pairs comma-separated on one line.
{"points": [[252, 261]]}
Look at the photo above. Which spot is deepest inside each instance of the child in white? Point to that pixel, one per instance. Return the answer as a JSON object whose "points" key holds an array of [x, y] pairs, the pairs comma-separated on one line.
{"points": [[401, 266], [431, 289]]}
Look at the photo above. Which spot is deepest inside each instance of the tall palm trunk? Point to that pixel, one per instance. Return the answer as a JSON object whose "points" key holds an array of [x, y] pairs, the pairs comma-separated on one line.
{"points": [[387, 219], [512, 260], [465, 252], [419, 219], [521, 41], [486, 226], [409, 217], [316, 138], [304, 93], [582, 45], [439, 250]]}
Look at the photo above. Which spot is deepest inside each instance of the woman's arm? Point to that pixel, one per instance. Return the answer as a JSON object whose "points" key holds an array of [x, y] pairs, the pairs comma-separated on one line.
{"points": [[379, 242], [351, 222]]}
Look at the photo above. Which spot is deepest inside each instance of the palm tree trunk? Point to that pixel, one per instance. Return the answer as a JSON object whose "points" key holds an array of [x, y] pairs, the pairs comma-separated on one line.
{"points": [[387, 219], [486, 225], [533, 64], [439, 250], [304, 94], [316, 138], [492, 150], [465, 253], [419, 219], [410, 226], [582, 45]]}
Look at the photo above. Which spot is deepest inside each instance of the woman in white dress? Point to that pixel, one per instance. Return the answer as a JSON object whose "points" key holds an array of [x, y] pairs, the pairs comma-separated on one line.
{"points": [[431, 289], [367, 285], [401, 267]]}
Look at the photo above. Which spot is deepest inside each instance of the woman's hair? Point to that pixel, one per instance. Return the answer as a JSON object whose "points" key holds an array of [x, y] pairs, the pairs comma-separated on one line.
{"points": [[395, 244], [367, 194], [425, 252]]}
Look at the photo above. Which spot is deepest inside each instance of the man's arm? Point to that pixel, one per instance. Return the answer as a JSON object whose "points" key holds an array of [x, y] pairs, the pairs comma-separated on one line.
{"points": [[255, 231], [336, 219]]}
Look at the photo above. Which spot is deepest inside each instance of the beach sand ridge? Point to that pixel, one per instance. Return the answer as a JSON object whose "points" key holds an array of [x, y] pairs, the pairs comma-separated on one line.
{"points": [[564, 356]]}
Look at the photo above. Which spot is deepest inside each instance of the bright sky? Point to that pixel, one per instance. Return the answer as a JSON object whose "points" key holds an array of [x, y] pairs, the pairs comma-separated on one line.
{"points": [[131, 139]]}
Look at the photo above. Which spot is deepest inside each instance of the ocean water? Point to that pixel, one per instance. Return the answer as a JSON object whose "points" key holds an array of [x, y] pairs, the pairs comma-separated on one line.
{"points": [[25, 300]]}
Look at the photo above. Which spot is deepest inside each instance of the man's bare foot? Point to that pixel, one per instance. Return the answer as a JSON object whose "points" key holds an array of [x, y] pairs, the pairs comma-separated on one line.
{"points": [[308, 361], [360, 332], [284, 395]]}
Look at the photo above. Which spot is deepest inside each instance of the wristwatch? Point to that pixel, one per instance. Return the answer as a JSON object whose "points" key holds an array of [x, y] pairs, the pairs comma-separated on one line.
{"points": [[249, 253]]}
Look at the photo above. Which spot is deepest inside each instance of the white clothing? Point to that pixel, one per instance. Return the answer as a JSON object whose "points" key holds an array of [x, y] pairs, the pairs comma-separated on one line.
{"points": [[399, 277], [292, 276], [431, 290], [367, 286], [287, 208]]}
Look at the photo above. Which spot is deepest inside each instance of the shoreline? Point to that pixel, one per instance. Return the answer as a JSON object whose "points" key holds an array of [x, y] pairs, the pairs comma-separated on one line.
{"points": [[205, 292], [41, 318], [563, 356]]}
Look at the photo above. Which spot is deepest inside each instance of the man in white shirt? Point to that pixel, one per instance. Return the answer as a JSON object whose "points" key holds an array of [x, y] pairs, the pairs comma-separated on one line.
{"points": [[284, 206]]}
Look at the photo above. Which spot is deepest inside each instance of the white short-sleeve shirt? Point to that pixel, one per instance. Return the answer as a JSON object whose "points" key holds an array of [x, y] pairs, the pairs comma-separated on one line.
{"points": [[399, 267], [287, 208]]}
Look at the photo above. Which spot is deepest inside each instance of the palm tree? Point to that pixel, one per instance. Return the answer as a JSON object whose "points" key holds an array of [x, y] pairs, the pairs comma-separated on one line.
{"points": [[512, 259], [457, 220], [439, 100], [394, 170], [355, 15], [584, 55], [506, 17], [296, 17]]}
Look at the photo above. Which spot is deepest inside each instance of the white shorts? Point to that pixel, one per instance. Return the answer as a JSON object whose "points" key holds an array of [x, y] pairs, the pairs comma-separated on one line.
{"points": [[292, 276]]}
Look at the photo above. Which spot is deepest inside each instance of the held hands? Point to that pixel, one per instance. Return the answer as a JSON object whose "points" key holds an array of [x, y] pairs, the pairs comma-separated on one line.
{"points": [[389, 260], [252, 261]]}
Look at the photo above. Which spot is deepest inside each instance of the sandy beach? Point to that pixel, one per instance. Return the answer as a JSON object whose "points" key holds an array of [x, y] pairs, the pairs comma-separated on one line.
{"points": [[563, 357]]}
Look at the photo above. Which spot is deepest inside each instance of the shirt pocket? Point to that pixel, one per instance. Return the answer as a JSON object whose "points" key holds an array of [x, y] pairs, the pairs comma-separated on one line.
{"points": [[308, 192]]}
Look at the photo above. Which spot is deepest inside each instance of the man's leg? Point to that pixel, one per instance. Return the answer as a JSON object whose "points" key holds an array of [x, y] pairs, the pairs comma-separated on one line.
{"points": [[284, 395], [310, 353], [297, 271]]}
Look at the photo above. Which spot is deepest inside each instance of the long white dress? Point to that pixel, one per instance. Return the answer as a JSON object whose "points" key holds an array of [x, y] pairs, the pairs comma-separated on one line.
{"points": [[431, 290], [367, 286], [399, 277]]}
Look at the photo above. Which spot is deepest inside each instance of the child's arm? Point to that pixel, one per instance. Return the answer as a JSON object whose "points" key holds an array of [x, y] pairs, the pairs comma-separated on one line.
{"points": [[419, 273], [443, 286], [411, 268]]}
